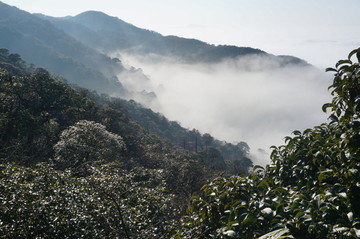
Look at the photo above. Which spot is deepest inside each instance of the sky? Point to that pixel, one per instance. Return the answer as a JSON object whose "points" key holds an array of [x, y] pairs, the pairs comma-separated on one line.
{"points": [[259, 107], [321, 31]]}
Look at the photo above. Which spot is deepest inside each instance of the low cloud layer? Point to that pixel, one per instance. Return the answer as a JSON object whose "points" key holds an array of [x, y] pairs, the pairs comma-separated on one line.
{"points": [[250, 99]]}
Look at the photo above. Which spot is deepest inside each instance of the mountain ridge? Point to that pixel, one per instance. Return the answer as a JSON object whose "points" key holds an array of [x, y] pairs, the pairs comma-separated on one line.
{"points": [[114, 34], [39, 42], [78, 47]]}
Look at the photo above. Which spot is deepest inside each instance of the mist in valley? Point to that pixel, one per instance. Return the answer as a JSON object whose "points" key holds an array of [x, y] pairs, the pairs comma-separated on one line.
{"points": [[253, 98]]}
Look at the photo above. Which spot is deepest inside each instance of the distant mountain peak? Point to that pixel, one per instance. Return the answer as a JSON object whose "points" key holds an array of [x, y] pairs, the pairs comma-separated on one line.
{"points": [[92, 13], [97, 20]]}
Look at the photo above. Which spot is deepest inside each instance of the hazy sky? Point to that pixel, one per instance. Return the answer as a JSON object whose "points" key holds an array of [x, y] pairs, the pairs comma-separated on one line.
{"points": [[319, 31]]}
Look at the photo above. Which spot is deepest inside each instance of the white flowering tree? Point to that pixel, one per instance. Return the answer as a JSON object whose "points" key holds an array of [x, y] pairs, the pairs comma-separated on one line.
{"points": [[86, 143]]}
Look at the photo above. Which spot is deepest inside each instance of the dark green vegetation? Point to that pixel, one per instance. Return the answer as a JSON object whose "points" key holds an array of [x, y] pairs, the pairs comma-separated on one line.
{"points": [[73, 163], [111, 203], [221, 154], [311, 190], [56, 178], [77, 164]]}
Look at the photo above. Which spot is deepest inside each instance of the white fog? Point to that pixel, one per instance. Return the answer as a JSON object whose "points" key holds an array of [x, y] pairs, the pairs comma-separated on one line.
{"points": [[250, 99]]}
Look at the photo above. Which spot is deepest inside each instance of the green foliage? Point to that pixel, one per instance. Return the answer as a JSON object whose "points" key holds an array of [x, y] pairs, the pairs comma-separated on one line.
{"points": [[33, 111], [139, 199], [112, 203], [13, 63], [44, 120], [310, 190], [238, 207], [42, 203], [226, 157], [213, 158]]}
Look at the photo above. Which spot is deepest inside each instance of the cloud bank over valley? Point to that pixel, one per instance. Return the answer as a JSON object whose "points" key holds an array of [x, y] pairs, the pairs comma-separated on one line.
{"points": [[253, 98]]}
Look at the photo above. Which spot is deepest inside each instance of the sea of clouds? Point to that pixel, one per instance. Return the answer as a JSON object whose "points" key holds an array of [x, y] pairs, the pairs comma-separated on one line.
{"points": [[252, 99]]}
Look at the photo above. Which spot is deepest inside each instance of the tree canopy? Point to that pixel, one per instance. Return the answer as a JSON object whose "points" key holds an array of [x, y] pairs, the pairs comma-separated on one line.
{"points": [[137, 185], [74, 163], [84, 143]]}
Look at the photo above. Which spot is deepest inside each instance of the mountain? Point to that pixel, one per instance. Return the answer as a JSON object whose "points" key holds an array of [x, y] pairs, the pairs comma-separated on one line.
{"points": [[58, 178], [47, 99], [41, 43], [58, 160], [110, 34], [78, 48]]}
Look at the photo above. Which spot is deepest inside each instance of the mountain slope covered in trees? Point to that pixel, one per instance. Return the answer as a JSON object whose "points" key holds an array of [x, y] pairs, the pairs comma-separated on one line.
{"points": [[110, 34], [40, 43], [44, 107], [78, 164], [57, 178]]}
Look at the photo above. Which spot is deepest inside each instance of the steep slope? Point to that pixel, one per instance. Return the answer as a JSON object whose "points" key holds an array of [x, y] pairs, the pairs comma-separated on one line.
{"points": [[43, 106], [42, 44], [44, 109], [110, 34]]}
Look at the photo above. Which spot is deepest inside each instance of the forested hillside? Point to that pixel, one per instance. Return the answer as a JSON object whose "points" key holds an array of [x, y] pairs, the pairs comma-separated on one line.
{"points": [[59, 144], [79, 167], [73, 163], [232, 157], [42, 44], [76, 161]]}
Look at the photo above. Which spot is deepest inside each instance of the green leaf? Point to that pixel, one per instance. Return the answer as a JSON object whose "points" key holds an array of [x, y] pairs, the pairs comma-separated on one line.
{"points": [[353, 52], [230, 233], [287, 139], [299, 214], [267, 211], [330, 69], [333, 118], [277, 234], [325, 174], [325, 106], [250, 218], [258, 167], [341, 62], [263, 185]]}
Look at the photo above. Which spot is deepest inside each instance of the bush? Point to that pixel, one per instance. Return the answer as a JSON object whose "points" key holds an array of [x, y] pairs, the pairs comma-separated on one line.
{"points": [[112, 203]]}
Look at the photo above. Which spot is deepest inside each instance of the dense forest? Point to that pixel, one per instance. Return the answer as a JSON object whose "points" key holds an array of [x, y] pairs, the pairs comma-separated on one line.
{"points": [[78, 164], [78, 159]]}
